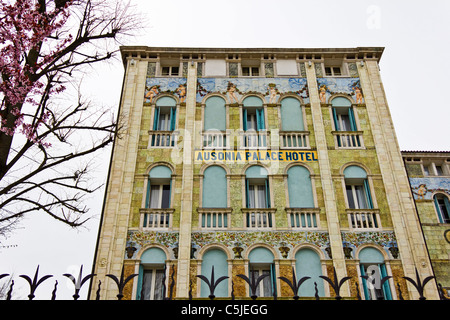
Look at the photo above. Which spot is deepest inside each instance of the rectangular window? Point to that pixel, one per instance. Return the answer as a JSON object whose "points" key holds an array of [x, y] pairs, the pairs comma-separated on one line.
{"points": [[160, 196], [250, 71], [356, 197], [265, 286], [170, 71], [333, 71], [152, 284], [257, 196]]}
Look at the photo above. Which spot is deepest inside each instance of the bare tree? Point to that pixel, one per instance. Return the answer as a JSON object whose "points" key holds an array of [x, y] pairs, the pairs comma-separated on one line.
{"points": [[47, 145]]}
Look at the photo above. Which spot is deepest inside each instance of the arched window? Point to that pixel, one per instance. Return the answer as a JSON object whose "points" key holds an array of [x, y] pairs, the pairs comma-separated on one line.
{"points": [[359, 198], [344, 118], [262, 263], [164, 119], [344, 121], [357, 188], [253, 122], [214, 195], [372, 264], [218, 259], [159, 188], [442, 205], [215, 114], [151, 275], [300, 188], [257, 187], [291, 115], [307, 264], [253, 114], [214, 187]]}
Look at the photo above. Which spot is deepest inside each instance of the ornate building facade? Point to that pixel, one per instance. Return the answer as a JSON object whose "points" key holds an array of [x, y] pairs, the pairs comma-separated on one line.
{"points": [[429, 176], [258, 162]]}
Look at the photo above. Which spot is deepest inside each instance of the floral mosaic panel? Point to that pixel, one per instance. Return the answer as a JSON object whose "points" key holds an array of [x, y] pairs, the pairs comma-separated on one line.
{"points": [[346, 86], [156, 86], [235, 88], [383, 239], [423, 188]]}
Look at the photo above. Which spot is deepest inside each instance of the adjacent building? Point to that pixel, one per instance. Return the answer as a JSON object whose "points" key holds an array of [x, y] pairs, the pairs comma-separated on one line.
{"points": [[429, 176], [259, 162]]}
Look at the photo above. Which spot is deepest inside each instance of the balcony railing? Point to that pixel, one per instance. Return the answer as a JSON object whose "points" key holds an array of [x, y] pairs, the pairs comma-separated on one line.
{"points": [[303, 218], [215, 140], [348, 139], [294, 139], [254, 139], [214, 218], [156, 218], [259, 218], [364, 219], [162, 139]]}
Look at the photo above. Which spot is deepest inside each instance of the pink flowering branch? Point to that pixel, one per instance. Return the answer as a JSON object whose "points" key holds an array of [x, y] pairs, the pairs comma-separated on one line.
{"points": [[44, 44]]}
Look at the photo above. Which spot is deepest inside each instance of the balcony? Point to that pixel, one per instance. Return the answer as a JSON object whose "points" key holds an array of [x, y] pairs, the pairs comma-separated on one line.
{"points": [[364, 219], [254, 139], [348, 139], [156, 219], [294, 139], [214, 218], [259, 218], [162, 139], [215, 140], [303, 218]]}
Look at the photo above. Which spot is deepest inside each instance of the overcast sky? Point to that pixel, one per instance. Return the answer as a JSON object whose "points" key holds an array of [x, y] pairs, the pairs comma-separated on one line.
{"points": [[414, 69]]}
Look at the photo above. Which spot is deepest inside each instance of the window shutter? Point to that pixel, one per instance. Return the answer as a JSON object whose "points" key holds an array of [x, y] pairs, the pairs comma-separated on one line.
{"points": [[247, 194], [447, 206], [386, 287], [368, 195], [260, 119], [336, 122], [267, 193], [156, 119], [147, 199], [441, 220], [139, 283], [351, 117], [244, 118], [274, 282], [364, 283], [173, 112]]}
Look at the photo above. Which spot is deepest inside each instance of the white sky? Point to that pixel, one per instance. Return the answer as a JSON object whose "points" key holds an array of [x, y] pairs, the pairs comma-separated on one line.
{"points": [[414, 70]]}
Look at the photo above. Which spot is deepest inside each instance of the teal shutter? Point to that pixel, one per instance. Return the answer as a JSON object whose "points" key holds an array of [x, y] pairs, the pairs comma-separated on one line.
{"points": [[139, 283], [156, 119], [368, 195], [447, 206], [386, 287], [267, 193], [173, 112], [147, 199], [351, 117], [244, 118], [364, 283], [273, 278], [260, 119], [336, 122], [247, 200], [155, 124], [441, 218], [336, 126], [170, 192]]}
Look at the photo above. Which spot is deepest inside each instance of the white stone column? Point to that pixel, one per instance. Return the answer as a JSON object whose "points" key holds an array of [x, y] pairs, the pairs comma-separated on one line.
{"points": [[411, 244], [334, 229], [184, 243], [114, 225]]}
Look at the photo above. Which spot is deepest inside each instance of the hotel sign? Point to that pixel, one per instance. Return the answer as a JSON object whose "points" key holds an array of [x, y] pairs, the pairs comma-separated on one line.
{"points": [[243, 156]]}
